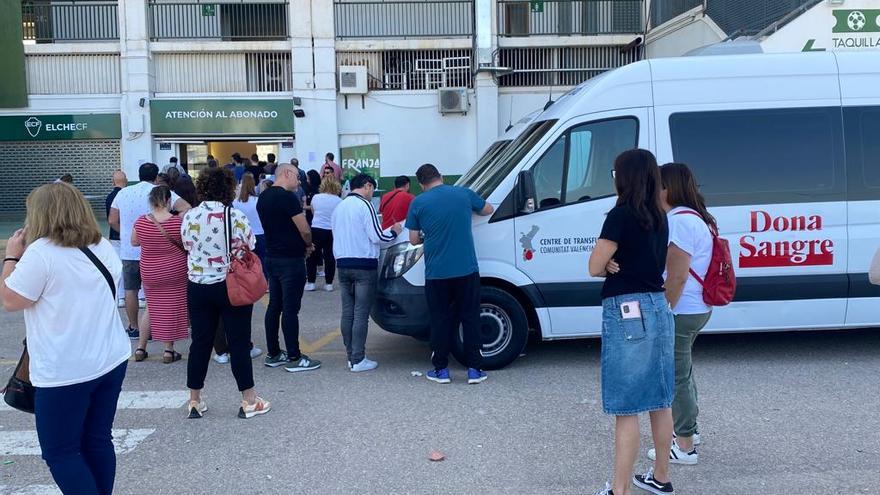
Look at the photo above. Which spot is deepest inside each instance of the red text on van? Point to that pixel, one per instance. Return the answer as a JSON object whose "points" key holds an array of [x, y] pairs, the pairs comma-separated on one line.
{"points": [[757, 252]]}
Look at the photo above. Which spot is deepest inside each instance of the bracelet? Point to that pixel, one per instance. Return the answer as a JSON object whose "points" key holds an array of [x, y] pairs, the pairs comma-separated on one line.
{"points": [[11, 259]]}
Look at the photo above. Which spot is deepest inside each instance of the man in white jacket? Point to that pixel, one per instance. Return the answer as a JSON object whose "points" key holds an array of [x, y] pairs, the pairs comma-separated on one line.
{"points": [[357, 235]]}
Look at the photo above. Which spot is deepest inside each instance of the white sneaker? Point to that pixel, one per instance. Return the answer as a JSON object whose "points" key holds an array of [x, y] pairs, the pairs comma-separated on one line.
{"points": [[678, 456], [696, 438], [222, 358], [364, 365], [310, 287], [256, 352], [328, 287]]}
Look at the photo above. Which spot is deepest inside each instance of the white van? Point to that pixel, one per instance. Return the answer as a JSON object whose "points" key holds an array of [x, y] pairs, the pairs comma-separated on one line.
{"points": [[786, 149]]}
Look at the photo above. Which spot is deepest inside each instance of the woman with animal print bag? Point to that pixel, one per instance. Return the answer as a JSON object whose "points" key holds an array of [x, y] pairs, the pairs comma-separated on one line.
{"points": [[205, 238]]}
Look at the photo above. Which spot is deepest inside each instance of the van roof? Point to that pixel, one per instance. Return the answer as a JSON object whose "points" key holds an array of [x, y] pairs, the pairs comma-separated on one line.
{"points": [[706, 80]]}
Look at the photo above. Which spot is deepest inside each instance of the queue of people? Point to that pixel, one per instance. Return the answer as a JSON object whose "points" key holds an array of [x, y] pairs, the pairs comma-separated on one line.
{"points": [[654, 245]]}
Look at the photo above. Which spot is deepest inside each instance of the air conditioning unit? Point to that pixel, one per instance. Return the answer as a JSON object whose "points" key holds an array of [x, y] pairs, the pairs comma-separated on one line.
{"points": [[353, 79], [453, 100], [276, 75]]}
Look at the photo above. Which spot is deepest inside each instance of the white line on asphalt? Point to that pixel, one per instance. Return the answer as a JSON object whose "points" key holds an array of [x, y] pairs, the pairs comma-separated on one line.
{"points": [[142, 399], [31, 490], [26, 442]]}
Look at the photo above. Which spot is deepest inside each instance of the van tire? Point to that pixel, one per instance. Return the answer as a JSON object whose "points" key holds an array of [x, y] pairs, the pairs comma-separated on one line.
{"points": [[504, 327]]}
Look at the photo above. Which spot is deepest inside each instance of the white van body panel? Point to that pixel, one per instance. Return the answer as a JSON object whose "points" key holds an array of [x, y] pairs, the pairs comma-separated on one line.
{"points": [[860, 87]]}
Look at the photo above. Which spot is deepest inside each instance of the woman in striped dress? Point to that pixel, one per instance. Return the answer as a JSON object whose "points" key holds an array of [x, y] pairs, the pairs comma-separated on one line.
{"points": [[164, 273]]}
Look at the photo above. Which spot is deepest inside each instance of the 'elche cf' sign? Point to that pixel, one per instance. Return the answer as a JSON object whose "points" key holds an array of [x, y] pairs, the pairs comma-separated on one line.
{"points": [[35, 127], [219, 117]]}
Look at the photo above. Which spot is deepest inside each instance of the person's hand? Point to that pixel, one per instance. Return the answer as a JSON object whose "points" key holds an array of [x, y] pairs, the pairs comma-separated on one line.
{"points": [[15, 245], [612, 267], [397, 227], [310, 249]]}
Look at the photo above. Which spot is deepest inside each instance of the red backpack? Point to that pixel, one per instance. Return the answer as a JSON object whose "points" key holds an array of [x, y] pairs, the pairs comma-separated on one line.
{"points": [[719, 286]]}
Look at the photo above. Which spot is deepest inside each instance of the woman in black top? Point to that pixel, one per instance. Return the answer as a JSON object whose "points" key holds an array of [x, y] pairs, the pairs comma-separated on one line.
{"points": [[638, 368]]}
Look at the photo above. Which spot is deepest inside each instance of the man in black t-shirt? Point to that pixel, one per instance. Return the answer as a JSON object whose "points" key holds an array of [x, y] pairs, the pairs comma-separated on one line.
{"points": [[288, 242], [119, 181]]}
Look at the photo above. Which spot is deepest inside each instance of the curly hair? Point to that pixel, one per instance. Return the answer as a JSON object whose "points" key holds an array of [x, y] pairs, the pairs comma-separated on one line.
{"points": [[216, 184], [330, 186]]}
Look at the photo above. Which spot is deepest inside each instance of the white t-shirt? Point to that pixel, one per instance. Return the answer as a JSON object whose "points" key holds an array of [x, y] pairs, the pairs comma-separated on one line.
{"points": [[691, 234], [322, 210], [74, 332], [250, 211], [133, 202]]}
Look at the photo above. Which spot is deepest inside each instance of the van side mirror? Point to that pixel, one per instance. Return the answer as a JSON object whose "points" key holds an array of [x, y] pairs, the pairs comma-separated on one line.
{"points": [[525, 192]]}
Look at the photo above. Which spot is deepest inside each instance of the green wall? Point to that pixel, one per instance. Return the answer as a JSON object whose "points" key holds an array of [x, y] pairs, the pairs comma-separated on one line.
{"points": [[13, 85]]}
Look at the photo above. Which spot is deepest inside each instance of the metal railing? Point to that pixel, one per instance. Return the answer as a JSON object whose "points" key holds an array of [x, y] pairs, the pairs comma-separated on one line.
{"points": [[665, 10], [404, 19], [45, 21], [562, 66], [749, 16], [226, 21], [80, 73], [413, 69], [236, 72], [570, 17]]}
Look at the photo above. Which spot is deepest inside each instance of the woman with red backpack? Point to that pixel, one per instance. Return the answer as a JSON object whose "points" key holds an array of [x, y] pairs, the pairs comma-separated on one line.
{"points": [[692, 231]]}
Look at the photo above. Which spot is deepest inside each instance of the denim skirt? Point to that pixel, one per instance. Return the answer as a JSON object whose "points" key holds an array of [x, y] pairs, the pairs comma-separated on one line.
{"points": [[638, 360]]}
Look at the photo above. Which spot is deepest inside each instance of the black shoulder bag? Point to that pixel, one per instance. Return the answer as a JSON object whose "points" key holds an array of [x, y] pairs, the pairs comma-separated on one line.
{"points": [[19, 392]]}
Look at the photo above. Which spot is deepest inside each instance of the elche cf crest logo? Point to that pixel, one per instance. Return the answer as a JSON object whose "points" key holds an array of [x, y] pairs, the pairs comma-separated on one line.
{"points": [[856, 20], [33, 126]]}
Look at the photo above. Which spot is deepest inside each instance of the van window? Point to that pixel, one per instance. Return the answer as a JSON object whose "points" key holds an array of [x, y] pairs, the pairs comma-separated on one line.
{"points": [[506, 161], [767, 156], [577, 167], [483, 163], [862, 129]]}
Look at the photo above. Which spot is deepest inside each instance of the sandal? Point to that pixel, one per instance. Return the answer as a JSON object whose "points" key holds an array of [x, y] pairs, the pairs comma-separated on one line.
{"points": [[171, 356], [140, 355]]}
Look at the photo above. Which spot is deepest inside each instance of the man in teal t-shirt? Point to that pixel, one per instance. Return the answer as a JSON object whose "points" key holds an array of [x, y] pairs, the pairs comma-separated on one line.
{"points": [[441, 219]]}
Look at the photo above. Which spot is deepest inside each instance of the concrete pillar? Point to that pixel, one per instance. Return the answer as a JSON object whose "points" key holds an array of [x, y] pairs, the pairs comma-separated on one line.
{"points": [[314, 80], [486, 43], [137, 86]]}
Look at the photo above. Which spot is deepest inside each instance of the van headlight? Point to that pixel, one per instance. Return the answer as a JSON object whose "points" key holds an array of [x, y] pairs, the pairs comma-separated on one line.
{"points": [[400, 258]]}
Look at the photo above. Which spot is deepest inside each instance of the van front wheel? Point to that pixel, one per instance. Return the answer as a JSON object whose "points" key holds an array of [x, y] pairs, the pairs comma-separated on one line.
{"points": [[504, 330]]}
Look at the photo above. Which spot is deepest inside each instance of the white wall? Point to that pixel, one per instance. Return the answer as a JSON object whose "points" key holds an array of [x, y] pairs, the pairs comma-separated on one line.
{"points": [[411, 131], [676, 39], [814, 30], [514, 105]]}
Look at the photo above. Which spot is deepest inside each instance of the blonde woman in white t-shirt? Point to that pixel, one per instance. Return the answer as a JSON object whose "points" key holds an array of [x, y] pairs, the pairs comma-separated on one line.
{"points": [[77, 344], [690, 249]]}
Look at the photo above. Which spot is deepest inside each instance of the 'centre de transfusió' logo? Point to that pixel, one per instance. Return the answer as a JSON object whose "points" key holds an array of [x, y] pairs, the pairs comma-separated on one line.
{"points": [[526, 242], [33, 126]]}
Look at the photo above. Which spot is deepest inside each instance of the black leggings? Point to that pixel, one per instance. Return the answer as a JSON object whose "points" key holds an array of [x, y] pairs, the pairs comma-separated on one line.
{"points": [[208, 304], [323, 240]]}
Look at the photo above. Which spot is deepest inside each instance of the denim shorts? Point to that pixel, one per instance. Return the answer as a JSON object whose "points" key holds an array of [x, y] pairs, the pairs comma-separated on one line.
{"points": [[638, 360]]}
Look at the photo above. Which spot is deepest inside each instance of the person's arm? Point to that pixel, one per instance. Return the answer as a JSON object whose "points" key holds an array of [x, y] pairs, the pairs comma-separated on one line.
{"points": [[12, 300], [479, 205], [303, 226], [181, 205], [678, 264], [113, 218], [412, 223], [415, 237], [602, 257], [135, 241], [487, 210], [373, 227]]}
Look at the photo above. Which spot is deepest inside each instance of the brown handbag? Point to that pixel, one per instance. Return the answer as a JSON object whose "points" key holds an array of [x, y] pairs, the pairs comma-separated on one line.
{"points": [[245, 283]]}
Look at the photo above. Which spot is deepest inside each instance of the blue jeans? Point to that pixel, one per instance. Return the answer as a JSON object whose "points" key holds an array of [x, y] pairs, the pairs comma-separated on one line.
{"points": [[73, 425], [638, 364], [287, 280], [358, 289]]}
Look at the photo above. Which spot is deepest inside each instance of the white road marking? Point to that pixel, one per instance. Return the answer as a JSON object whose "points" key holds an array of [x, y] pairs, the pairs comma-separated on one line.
{"points": [[26, 442], [31, 490], [142, 399]]}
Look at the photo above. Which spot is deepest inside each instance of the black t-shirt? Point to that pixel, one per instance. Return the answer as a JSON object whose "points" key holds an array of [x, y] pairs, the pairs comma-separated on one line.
{"points": [[276, 206], [114, 234], [641, 254]]}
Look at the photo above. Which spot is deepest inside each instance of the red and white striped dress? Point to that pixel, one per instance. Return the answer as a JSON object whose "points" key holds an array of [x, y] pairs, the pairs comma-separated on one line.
{"points": [[164, 275]]}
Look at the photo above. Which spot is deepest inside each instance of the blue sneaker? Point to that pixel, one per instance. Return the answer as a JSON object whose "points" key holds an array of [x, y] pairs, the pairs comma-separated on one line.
{"points": [[476, 376], [439, 376]]}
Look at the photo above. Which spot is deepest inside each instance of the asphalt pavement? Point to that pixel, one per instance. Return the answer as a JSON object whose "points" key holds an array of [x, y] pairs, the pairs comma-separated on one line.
{"points": [[781, 413]]}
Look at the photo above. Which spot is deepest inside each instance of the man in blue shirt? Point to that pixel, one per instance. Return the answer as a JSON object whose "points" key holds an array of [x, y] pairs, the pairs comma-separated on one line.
{"points": [[441, 219]]}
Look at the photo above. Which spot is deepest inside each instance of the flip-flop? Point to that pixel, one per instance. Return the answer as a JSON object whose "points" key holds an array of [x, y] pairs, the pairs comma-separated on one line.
{"points": [[140, 355]]}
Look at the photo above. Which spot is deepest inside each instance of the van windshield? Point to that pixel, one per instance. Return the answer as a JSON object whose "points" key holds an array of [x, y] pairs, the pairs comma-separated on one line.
{"points": [[504, 162], [483, 163]]}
